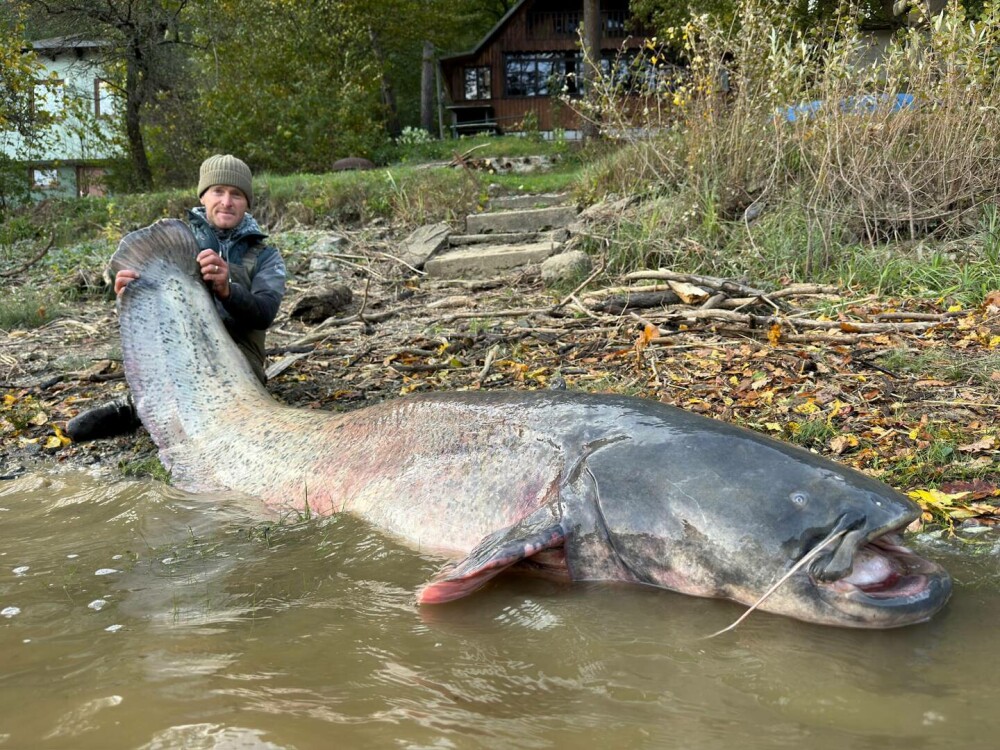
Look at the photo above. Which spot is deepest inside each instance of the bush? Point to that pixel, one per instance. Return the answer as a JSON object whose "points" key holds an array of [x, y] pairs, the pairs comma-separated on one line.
{"points": [[800, 127]]}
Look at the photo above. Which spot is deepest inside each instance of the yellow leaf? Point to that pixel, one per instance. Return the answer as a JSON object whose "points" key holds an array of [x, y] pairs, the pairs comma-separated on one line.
{"points": [[9, 399], [52, 442], [39, 419], [936, 498]]}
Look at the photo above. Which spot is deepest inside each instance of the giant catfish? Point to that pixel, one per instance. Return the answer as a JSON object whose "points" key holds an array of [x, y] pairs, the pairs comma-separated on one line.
{"points": [[589, 487]]}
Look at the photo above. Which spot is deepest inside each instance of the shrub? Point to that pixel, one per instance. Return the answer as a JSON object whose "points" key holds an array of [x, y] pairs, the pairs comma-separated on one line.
{"points": [[802, 126]]}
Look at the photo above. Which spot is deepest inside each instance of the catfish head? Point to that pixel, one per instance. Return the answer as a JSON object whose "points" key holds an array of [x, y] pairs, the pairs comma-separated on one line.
{"points": [[715, 510], [728, 513]]}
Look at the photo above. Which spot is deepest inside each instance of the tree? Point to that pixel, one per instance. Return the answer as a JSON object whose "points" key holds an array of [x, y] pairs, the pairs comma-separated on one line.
{"points": [[20, 122], [289, 86], [143, 38]]}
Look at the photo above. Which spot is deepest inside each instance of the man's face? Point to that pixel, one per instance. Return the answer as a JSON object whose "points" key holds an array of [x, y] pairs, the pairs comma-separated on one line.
{"points": [[224, 205]]}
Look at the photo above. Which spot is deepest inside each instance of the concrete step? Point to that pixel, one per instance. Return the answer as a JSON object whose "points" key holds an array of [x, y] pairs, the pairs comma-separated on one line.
{"points": [[507, 238], [514, 202], [483, 261], [531, 220]]}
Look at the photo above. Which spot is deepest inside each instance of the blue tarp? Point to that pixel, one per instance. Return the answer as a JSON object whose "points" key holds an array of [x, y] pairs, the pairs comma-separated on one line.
{"points": [[852, 105]]}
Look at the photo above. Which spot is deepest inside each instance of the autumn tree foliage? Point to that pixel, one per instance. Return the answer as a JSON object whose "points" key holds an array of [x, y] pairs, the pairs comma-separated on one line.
{"points": [[19, 69]]}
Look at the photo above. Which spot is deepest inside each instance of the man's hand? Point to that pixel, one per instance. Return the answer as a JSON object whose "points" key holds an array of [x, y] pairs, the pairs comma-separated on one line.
{"points": [[215, 271], [123, 277]]}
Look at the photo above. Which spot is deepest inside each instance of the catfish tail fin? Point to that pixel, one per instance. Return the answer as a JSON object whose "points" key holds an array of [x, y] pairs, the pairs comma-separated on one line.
{"points": [[189, 380], [167, 241]]}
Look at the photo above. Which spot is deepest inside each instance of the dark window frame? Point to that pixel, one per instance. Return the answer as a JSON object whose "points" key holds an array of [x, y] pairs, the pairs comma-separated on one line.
{"points": [[477, 80], [108, 111]]}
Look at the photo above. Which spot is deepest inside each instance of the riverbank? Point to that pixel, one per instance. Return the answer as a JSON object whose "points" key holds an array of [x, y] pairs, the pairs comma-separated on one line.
{"points": [[911, 400]]}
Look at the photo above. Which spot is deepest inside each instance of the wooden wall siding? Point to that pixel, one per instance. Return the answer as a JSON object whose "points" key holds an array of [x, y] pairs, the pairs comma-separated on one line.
{"points": [[538, 26]]}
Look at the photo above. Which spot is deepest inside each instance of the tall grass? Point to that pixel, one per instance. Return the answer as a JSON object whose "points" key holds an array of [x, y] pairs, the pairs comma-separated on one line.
{"points": [[829, 144]]}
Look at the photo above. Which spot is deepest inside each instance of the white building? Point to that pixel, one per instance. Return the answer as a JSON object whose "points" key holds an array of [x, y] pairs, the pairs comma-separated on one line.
{"points": [[72, 155]]}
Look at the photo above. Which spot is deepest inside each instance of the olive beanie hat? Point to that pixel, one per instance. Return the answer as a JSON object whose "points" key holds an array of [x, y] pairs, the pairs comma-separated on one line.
{"points": [[225, 169]]}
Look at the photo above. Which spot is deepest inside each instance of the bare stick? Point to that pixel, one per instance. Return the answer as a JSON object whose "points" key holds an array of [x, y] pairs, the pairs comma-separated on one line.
{"points": [[30, 263], [572, 295], [490, 356]]}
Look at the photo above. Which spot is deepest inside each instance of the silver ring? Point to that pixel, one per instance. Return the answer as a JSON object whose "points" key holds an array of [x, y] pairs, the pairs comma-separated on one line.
{"points": [[214, 269]]}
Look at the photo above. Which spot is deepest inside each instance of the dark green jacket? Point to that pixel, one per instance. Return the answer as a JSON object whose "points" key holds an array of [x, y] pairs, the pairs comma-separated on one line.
{"points": [[256, 281]]}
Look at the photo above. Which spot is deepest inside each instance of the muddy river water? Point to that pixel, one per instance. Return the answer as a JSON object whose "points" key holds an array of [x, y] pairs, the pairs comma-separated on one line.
{"points": [[136, 616]]}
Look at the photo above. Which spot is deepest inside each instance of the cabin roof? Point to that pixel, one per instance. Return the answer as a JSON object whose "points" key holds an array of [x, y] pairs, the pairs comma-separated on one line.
{"points": [[489, 35]]}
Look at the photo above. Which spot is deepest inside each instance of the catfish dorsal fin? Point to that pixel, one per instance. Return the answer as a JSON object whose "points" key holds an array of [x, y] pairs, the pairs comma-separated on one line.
{"points": [[538, 531]]}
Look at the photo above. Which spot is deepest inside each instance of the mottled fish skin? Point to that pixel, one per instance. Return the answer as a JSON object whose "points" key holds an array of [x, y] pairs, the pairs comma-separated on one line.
{"points": [[619, 488]]}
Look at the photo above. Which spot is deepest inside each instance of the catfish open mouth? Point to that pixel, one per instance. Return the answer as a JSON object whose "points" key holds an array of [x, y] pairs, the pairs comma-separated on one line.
{"points": [[889, 576], [884, 568]]}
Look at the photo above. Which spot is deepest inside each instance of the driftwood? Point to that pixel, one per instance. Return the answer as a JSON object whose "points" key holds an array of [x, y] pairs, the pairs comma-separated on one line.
{"points": [[724, 285], [766, 321], [639, 301]]}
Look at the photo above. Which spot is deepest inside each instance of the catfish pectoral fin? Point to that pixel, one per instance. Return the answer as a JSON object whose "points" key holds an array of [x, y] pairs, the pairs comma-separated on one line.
{"points": [[539, 531]]}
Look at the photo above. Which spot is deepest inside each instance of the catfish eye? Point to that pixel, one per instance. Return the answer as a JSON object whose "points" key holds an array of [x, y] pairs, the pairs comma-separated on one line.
{"points": [[799, 499]]}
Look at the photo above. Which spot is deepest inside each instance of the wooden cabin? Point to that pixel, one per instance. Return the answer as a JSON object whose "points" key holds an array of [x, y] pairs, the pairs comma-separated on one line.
{"points": [[522, 70]]}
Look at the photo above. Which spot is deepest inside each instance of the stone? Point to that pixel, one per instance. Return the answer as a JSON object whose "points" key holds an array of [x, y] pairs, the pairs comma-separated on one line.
{"points": [[326, 303], [422, 243], [570, 266], [351, 163]]}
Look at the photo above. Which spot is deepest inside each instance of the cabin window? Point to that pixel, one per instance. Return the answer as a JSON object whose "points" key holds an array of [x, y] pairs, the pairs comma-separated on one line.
{"points": [[477, 84], [44, 179], [103, 99], [540, 73], [567, 24], [638, 73], [48, 96]]}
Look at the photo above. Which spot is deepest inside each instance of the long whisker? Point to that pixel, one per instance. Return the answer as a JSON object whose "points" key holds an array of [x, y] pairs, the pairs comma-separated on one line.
{"points": [[805, 558]]}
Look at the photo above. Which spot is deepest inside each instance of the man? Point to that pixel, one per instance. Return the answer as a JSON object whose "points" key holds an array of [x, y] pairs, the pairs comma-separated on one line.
{"points": [[246, 277]]}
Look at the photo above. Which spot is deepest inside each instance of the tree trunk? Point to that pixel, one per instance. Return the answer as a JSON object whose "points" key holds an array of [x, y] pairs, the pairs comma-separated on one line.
{"points": [[592, 59], [427, 89], [133, 126], [388, 96]]}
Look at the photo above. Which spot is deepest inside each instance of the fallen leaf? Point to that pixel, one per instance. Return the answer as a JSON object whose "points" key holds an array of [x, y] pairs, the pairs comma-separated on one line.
{"points": [[936, 498], [649, 332], [983, 444], [977, 489], [843, 443]]}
